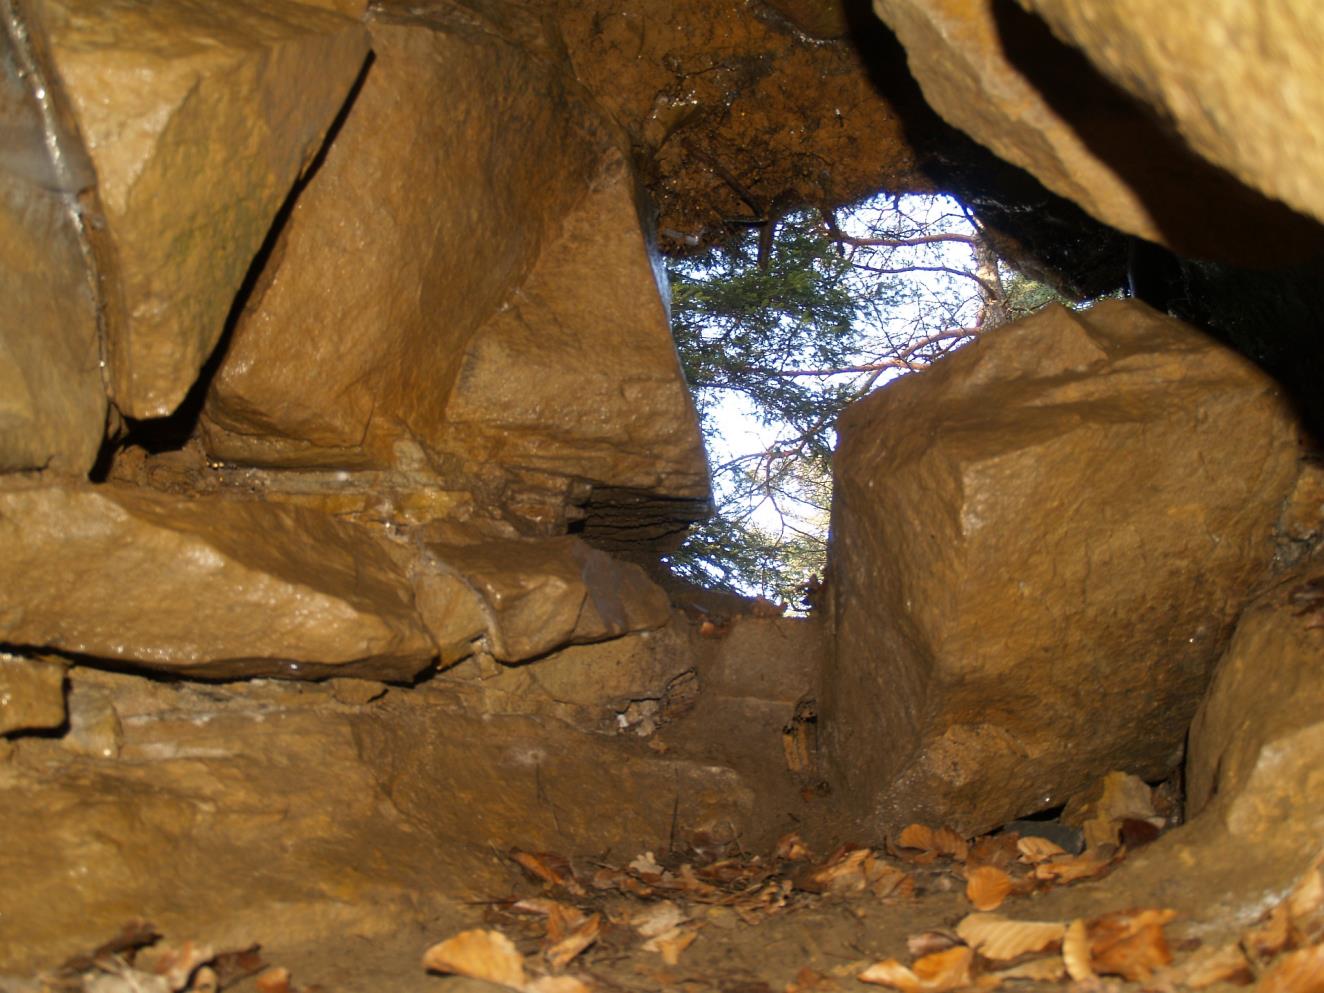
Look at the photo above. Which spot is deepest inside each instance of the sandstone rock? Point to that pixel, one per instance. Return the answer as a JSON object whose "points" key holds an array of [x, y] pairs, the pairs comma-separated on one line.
{"points": [[198, 121], [271, 812], [1039, 548], [1256, 761], [541, 595], [52, 401], [212, 587], [774, 659], [498, 304], [589, 686], [1255, 109], [998, 74], [31, 694]]}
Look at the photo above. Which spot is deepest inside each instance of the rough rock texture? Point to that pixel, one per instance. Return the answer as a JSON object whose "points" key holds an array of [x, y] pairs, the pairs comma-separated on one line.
{"points": [[496, 304], [31, 694], [198, 121], [998, 74], [540, 595], [589, 686], [1240, 82], [271, 812], [1039, 548], [1256, 758], [52, 401], [211, 587]]}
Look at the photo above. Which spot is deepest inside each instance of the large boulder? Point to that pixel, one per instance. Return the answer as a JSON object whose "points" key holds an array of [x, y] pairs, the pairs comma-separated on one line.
{"points": [[1039, 548], [198, 119], [1254, 109], [999, 74], [210, 587], [471, 290], [52, 399]]}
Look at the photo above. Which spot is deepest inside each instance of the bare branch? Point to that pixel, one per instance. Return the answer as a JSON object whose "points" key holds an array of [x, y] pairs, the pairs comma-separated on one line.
{"points": [[926, 239], [927, 268]]}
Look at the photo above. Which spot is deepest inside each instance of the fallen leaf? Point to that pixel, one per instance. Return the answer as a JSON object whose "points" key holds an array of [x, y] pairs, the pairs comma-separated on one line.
{"points": [[580, 937], [1035, 850], [478, 954], [936, 973], [233, 965], [928, 942], [671, 944], [842, 873], [551, 869], [993, 849], [809, 981], [942, 841], [1209, 966], [986, 886], [646, 865], [204, 981], [1089, 864], [1296, 972], [1305, 903], [175, 962], [658, 919], [791, 848], [1076, 951], [273, 980], [1130, 943], [1048, 970], [995, 937], [556, 984]]}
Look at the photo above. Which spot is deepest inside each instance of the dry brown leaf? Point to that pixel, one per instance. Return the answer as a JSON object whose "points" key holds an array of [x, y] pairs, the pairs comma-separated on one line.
{"points": [[205, 980], [842, 873], [274, 980], [892, 973], [1069, 868], [478, 954], [791, 848], [1048, 970], [1305, 903], [646, 865], [556, 984], [1076, 951], [940, 841], [928, 942], [993, 849], [1270, 936], [176, 963], [1296, 972], [936, 973], [658, 919], [1130, 943], [1035, 850], [550, 868], [986, 886], [562, 950], [995, 937], [671, 944], [1211, 965], [916, 836]]}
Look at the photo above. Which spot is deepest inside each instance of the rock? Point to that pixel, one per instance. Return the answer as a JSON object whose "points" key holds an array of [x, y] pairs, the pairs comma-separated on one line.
{"points": [[198, 123], [1039, 548], [1256, 110], [776, 659], [272, 812], [540, 595], [1256, 762], [589, 686], [547, 352], [998, 74], [31, 694], [52, 400], [212, 587], [1100, 810]]}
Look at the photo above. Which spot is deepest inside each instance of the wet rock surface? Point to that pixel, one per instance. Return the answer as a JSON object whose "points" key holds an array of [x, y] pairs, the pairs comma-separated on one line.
{"points": [[990, 520], [197, 123], [214, 587]]}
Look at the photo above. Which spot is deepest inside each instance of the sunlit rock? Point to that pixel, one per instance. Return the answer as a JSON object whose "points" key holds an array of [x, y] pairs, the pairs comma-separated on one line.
{"points": [[477, 283], [1239, 81], [198, 119], [31, 694], [211, 587], [1039, 548], [999, 74]]}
